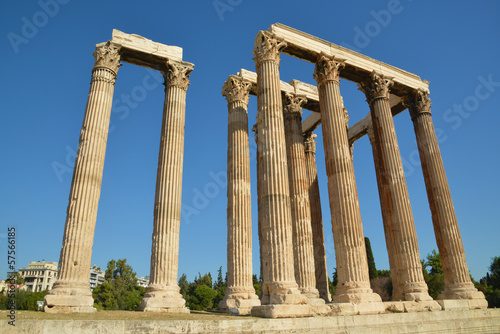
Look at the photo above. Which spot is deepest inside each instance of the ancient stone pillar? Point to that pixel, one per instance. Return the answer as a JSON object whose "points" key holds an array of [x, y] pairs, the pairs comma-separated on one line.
{"points": [[240, 294], [350, 252], [390, 239], [409, 283], [284, 297], [264, 245], [299, 199], [457, 280], [162, 293], [321, 272], [71, 291]]}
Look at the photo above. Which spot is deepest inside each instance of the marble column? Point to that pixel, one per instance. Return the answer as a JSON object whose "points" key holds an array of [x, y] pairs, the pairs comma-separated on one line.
{"points": [[457, 282], [320, 269], [285, 300], [162, 293], [240, 294], [263, 236], [350, 251], [71, 292], [390, 239], [303, 252], [409, 283]]}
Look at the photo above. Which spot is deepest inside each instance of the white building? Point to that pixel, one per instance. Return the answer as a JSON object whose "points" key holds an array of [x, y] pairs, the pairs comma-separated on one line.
{"points": [[96, 277], [143, 281], [39, 276]]}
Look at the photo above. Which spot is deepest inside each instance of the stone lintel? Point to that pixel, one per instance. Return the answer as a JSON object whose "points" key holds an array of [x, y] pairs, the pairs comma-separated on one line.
{"points": [[144, 52], [358, 66]]}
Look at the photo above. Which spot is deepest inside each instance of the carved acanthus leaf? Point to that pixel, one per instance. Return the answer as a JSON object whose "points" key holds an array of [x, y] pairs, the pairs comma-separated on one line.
{"points": [[107, 56], [177, 74], [376, 86], [327, 68], [292, 104], [267, 47], [235, 89], [418, 102], [309, 142]]}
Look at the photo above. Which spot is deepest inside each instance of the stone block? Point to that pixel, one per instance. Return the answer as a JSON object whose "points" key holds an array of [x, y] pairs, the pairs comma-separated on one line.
{"points": [[282, 311], [454, 304]]}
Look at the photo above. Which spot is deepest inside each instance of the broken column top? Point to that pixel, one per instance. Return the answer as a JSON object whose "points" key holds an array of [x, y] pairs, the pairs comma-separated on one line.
{"points": [[137, 50]]}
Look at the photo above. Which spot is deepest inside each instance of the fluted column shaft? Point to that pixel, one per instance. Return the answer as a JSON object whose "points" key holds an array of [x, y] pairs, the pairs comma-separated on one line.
{"points": [[263, 236], [350, 251], [320, 268], [71, 292], [239, 217], [394, 198], [458, 284], [390, 239], [275, 187], [299, 197], [162, 292]]}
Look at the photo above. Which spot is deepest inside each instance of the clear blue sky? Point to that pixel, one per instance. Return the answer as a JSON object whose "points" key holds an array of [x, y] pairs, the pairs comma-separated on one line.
{"points": [[46, 75]]}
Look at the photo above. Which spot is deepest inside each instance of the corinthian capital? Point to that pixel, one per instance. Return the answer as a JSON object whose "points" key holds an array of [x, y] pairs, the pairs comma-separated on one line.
{"points": [[309, 142], [327, 68], [375, 87], [267, 47], [177, 74], [107, 55], [292, 104], [236, 89], [418, 102]]}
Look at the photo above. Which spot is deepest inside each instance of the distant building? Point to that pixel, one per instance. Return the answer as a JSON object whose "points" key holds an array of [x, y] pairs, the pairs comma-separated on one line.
{"points": [[5, 285], [96, 277], [39, 276], [143, 281]]}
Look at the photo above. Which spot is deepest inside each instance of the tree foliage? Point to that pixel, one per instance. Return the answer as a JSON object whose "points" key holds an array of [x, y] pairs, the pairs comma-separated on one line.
{"points": [[372, 269], [120, 290], [490, 284], [434, 276]]}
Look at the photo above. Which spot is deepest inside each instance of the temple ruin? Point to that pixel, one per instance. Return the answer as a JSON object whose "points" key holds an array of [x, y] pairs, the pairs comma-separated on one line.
{"points": [[290, 227]]}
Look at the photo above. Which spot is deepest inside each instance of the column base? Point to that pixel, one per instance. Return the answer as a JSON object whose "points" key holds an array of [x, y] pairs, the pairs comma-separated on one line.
{"points": [[355, 294], [69, 297], [239, 303], [285, 301], [416, 292], [167, 300], [465, 291]]}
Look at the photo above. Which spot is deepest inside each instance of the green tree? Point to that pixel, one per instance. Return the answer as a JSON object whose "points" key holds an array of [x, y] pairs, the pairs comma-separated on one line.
{"points": [[434, 277], [434, 262], [332, 284], [220, 288], [372, 269], [15, 278], [202, 298], [120, 289], [256, 285], [184, 286]]}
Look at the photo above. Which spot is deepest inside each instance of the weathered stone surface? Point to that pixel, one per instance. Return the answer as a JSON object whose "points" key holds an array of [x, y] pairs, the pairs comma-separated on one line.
{"points": [[457, 282], [459, 321], [162, 293], [320, 268], [275, 193], [240, 294], [399, 227], [299, 195], [350, 252], [71, 291]]}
